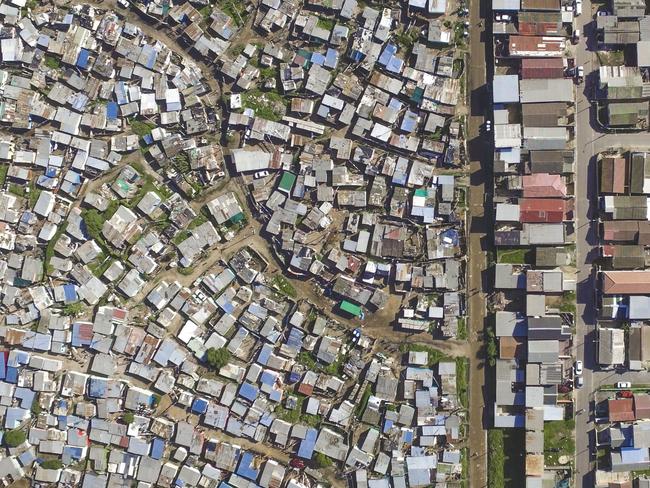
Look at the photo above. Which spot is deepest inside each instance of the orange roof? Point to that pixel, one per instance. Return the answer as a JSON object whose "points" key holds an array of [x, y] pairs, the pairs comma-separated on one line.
{"points": [[544, 185], [626, 282], [544, 210]]}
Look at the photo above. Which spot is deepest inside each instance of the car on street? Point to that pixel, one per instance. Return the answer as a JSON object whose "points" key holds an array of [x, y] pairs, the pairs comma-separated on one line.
{"points": [[503, 18], [580, 382], [297, 463], [625, 394], [123, 3], [577, 367], [623, 384], [578, 7], [580, 74], [260, 174], [575, 39]]}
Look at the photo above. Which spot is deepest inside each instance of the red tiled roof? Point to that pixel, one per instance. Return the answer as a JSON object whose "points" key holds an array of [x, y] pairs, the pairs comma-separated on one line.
{"points": [[621, 410], [542, 210], [544, 185], [542, 68], [626, 282]]}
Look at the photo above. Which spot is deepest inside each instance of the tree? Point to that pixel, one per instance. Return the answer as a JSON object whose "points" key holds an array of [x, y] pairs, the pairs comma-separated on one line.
{"points": [[36, 408], [52, 464], [492, 349], [14, 437], [322, 461], [73, 309], [128, 418], [217, 358]]}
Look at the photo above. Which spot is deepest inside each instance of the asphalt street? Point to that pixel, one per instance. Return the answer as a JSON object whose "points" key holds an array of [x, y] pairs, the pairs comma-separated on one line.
{"points": [[590, 142]]}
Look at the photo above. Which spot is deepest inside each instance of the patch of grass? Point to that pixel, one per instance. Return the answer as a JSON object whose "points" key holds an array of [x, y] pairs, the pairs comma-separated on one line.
{"points": [[17, 190], [364, 400], [568, 303], [462, 381], [100, 268], [307, 359], [325, 23], [283, 285], [34, 193], [406, 39], [268, 73], [141, 128], [558, 434], [199, 220], [4, 168], [496, 476], [206, 11], [235, 10], [322, 461], [513, 256], [267, 105], [49, 249], [435, 356], [52, 62], [186, 271], [462, 329], [611, 58]]}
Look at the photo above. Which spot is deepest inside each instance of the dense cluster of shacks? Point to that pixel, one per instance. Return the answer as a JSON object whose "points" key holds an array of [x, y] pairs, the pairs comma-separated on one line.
{"points": [[623, 88], [533, 116], [101, 352]]}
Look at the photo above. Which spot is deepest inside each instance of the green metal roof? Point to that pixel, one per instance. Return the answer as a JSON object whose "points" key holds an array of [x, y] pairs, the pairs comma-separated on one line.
{"points": [[287, 181], [350, 308]]}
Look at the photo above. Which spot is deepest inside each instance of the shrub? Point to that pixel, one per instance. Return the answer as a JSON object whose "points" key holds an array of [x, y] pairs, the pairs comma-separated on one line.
{"points": [[52, 464], [128, 418], [14, 437], [217, 358]]}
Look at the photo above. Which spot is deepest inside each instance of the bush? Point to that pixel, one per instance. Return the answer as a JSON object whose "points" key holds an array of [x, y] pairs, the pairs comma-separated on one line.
{"points": [[128, 418], [217, 358], [36, 408], [52, 464], [322, 461], [14, 437], [73, 309]]}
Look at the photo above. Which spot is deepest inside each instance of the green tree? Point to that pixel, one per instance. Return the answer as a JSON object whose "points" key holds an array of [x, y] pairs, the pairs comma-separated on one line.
{"points": [[128, 418], [52, 464], [492, 349], [322, 461], [36, 408], [73, 309], [217, 358], [14, 437]]}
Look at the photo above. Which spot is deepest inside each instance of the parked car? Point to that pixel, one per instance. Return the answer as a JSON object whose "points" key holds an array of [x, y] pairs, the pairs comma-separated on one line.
{"points": [[580, 382], [624, 394], [123, 3], [580, 74], [260, 174], [503, 18], [623, 384], [577, 367], [297, 463], [578, 7]]}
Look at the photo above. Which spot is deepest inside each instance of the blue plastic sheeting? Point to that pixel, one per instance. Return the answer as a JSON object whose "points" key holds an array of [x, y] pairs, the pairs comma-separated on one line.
{"points": [[96, 387], [12, 375], [306, 449], [248, 391], [245, 469], [200, 405], [387, 54], [157, 448], [70, 293], [265, 354], [318, 58], [112, 110], [331, 58]]}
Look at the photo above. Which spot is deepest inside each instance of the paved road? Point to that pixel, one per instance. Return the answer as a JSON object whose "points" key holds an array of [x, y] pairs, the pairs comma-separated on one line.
{"points": [[480, 175], [589, 142]]}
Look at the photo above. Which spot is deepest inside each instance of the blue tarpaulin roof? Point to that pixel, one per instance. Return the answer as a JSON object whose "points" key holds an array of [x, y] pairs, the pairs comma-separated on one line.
{"points": [[306, 449], [200, 405], [3, 366], [157, 448], [70, 293], [245, 469], [112, 110], [96, 387], [265, 354], [82, 59], [248, 391], [12, 375]]}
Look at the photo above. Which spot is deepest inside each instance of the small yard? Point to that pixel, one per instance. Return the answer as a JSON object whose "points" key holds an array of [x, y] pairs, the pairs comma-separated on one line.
{"points": [[267, 105], [462, 381], [558, 440], [514, 256], [611, 58], [435, 356], [282, 284]]}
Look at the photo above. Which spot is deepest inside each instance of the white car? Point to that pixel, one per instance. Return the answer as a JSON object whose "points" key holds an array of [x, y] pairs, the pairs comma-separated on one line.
{"points": [[503, 18], [578, 7], [577, 367], [580, 382], [576, 36], [123, 3], [623, 384], [260, 174]]}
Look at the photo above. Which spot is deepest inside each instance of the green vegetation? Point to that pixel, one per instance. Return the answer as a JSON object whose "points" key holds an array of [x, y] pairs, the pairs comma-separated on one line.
{"points": [[435, 356], [336, 368], [52, 62], [611, 58], [181, 236], [4, 168], [52, 464], [34, 193], [307, 360], [296, 415], [186, 271], [155, 400], [492, 348], [322, 461], [235, 10], [462, 329], [268, 73], [128, 418], [101, 266], [73, 309], [496, 477], [14, 437], [464, 460], [17, 190], [49, 249], [568, 303], [462, 381], [217, 358], [325, 23], [364, 400], [406, 39], [459, 37], [36, 407], [283, 285], [206, 11], [558, 434], [94, 221], [267, 105], [141, 128], [514, 256]]}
